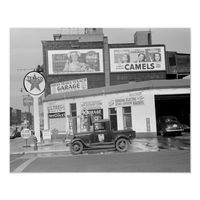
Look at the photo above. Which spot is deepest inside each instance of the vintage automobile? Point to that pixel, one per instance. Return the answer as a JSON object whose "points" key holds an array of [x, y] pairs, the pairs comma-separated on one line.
{"points": [[102, 137], [186, 128], [15, 132], [169, 125]]}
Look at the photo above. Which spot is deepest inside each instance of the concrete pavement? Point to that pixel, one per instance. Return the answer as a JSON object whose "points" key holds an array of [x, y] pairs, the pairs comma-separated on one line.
{"points": [[162, 161], [18, 146]]}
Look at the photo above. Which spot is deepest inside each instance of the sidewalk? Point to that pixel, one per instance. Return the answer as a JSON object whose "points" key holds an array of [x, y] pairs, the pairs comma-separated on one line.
{"points": [[18, 146]]}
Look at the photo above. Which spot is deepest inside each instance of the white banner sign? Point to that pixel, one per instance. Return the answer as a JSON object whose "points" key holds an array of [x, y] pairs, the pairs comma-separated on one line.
{"points": [[92, 105], [57, 108], [46, 134], [138, 59], [130, 100], [69, 86]]}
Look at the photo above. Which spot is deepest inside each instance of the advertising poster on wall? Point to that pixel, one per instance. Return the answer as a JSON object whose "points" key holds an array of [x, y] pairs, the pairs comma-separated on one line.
{"points": [[139, 59], [69, 86], [90, 111], [75, 61], [56, 117], [133, 99], [56, 111]]}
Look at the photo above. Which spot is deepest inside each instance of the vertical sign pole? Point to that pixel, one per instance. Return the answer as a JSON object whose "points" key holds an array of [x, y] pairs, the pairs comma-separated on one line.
{"points": [[29, 108], [34, 84], [36, 117]]}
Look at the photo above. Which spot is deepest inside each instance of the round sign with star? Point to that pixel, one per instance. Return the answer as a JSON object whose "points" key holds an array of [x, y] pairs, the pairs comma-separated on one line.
{"points": [[34, 83]]}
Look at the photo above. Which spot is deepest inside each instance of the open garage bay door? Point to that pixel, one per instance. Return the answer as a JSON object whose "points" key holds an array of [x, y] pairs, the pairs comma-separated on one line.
{"points": [[174, 105]]}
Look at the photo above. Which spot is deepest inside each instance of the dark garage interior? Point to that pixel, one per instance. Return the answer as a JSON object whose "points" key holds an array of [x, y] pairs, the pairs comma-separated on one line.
{"points": [[174, 105]]}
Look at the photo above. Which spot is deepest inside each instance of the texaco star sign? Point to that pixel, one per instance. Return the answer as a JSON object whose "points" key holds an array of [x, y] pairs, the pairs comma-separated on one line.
{"points": [[34, 83]]}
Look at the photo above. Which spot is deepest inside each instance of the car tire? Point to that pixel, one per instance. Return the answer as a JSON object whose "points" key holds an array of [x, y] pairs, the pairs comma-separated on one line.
{"points": [[76, 147], [122, 145]]}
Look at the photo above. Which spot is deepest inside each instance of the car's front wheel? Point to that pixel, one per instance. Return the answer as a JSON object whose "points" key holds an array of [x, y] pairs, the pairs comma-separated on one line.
{"points": [[122, 145], [76, 147]]}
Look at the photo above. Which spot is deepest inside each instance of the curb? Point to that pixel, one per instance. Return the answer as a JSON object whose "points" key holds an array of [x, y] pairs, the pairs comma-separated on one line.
{"points": [[15, 153], [47, 151], [40, 151]]}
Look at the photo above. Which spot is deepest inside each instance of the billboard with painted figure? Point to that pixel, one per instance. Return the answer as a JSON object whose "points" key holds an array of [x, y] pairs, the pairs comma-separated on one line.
{"points": [[75, 61]]}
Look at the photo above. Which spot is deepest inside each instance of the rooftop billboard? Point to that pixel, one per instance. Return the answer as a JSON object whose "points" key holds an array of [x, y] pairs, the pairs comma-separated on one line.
{"points": [[75, 61], [137, 59]]}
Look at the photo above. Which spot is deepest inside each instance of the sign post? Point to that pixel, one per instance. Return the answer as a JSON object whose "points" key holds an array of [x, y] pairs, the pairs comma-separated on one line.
{"points": [[36, 117], [26, 133], [34, 84]]}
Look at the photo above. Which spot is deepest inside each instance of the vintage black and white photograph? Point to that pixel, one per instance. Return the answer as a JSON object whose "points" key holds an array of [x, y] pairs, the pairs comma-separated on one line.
{"points": [[100, 100]]}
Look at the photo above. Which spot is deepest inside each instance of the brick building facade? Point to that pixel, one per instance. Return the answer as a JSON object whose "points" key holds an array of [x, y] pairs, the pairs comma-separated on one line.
{"points": [[177, 65]]}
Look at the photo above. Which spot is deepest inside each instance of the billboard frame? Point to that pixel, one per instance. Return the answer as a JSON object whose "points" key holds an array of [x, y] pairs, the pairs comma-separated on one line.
{"points": [[101, 62], [131, 46]]}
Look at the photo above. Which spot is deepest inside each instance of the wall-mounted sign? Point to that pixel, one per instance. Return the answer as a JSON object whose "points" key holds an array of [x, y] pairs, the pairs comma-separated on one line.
{"points": [[69, 86], [90, 111], [56, 111], [56, 108], [88, 105], [46, 134], [131, 99], [138, 59], [34, 83], [56, 115], [75, 61]]}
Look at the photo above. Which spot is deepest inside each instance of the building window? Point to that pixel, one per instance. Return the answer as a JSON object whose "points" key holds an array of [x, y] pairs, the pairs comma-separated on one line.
{"points": [[127, 120], [73, 119], [113, 118], [73, 109]]}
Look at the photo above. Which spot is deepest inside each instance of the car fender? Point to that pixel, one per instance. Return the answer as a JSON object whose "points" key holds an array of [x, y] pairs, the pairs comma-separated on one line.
{"points": [[77, 139]]}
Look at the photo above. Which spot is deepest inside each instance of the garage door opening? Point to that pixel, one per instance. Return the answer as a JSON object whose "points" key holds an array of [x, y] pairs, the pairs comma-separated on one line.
{"points": [[173, 105]]}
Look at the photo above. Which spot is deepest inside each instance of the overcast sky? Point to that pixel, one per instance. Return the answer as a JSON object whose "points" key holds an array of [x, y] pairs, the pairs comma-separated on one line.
{"points": [[26, 49]]}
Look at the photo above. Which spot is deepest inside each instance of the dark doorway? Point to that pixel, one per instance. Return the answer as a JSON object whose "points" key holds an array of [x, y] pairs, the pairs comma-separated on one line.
{"points": [[174, 105], [113, 118]]}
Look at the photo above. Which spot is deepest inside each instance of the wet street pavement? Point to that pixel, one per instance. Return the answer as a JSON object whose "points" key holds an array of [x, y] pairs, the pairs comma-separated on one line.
{"points": [[138, 145], [156, 147], [161, 144]]}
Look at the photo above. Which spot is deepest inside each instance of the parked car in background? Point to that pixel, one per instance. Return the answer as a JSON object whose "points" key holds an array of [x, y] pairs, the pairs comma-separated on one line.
{"points": [[186, 128], [15, 131], [169, 125]]}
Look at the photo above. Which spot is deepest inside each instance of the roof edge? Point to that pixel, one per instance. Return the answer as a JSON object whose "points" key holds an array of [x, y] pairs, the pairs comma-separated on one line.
{"points": [[136, 86]]}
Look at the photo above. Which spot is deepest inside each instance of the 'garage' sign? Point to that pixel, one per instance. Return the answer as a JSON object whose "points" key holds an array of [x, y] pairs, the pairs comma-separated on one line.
{"points": [[69, 86]]}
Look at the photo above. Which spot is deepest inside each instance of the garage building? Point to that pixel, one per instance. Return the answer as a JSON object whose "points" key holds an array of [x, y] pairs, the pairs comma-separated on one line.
{"points": [[135, 105]]}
